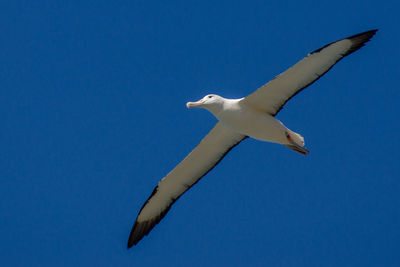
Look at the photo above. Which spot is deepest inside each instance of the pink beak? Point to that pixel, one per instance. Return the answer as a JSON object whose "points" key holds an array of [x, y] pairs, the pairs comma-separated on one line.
{"points": [[197, 104]]}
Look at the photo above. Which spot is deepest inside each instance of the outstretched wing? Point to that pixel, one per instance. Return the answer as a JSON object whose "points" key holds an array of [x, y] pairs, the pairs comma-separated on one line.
{"points": [[272, 96], [218, 142]]}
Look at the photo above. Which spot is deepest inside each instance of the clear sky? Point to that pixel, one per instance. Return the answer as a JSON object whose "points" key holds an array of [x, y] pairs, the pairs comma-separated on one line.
{"points": [[93, 115]]}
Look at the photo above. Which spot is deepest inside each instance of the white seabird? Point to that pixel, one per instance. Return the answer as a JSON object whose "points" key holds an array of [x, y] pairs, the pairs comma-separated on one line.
{"points": [[252, 116]]}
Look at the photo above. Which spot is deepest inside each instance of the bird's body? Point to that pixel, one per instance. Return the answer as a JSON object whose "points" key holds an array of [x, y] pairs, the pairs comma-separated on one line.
{"points": [[244, 119], [252, 116]]}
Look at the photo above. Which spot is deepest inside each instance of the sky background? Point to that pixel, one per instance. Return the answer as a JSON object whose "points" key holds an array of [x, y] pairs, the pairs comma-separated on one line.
{"points": [[93, 115]]}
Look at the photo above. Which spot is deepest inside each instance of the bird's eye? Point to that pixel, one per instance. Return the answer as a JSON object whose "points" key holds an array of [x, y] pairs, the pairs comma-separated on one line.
{"points": [[210, 96]]}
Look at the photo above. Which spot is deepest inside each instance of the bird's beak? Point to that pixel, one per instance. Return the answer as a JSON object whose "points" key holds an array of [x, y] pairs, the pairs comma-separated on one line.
{"points": [[197, 104]]}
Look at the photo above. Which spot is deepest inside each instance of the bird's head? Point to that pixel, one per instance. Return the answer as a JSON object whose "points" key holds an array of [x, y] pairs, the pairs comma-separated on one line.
{"points": [[213, 103]]}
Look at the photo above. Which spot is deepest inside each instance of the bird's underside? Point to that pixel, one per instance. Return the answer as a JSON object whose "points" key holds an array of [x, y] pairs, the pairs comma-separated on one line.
{"points": [[268, 99]]}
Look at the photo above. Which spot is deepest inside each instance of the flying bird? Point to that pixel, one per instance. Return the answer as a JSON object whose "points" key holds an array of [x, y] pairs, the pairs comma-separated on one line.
{"points": [[252, 116]]}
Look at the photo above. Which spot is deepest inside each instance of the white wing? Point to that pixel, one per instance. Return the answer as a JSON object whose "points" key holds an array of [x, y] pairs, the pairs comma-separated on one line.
{"points": [[218, 142], [273, 96]]}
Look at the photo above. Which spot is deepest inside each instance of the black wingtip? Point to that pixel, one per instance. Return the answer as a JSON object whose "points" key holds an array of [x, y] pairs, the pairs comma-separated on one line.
{"points": [[131, 241], [130, 244], [364, 36], [136, 234], [141, 229], [359, 40]]}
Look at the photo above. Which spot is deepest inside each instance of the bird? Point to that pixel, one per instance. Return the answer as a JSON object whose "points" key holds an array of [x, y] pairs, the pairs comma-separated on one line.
{"points": [[252, 116]]}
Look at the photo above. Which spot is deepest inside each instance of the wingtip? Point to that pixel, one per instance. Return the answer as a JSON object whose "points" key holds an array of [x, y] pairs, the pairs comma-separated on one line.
{"points": [[141, 229], [130, 244], [131, 241], [373, 31], [368, 34], [359, 40], [135, 236]]}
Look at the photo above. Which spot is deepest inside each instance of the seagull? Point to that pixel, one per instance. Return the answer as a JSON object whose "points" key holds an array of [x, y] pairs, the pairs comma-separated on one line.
{"points": [[252, 116]]}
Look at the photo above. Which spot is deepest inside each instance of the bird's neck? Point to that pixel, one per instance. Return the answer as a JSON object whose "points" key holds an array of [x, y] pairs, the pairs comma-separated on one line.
{"points": [[226, 105]]}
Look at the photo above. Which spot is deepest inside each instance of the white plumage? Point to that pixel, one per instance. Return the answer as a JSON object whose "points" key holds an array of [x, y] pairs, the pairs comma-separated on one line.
{"points": [[252, 116]]}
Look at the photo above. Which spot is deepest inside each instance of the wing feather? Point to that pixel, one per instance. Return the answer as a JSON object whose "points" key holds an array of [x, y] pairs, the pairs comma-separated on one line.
{"points": [[211, 150], [272, 96]]}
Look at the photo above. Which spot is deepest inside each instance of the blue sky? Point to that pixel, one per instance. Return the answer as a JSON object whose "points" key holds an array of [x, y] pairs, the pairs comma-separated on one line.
{"points": [[92, 104]]}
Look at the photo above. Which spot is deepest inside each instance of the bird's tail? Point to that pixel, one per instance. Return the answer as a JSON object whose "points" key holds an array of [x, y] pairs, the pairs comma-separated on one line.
{"points": [[298, 149], [296, 143]]}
